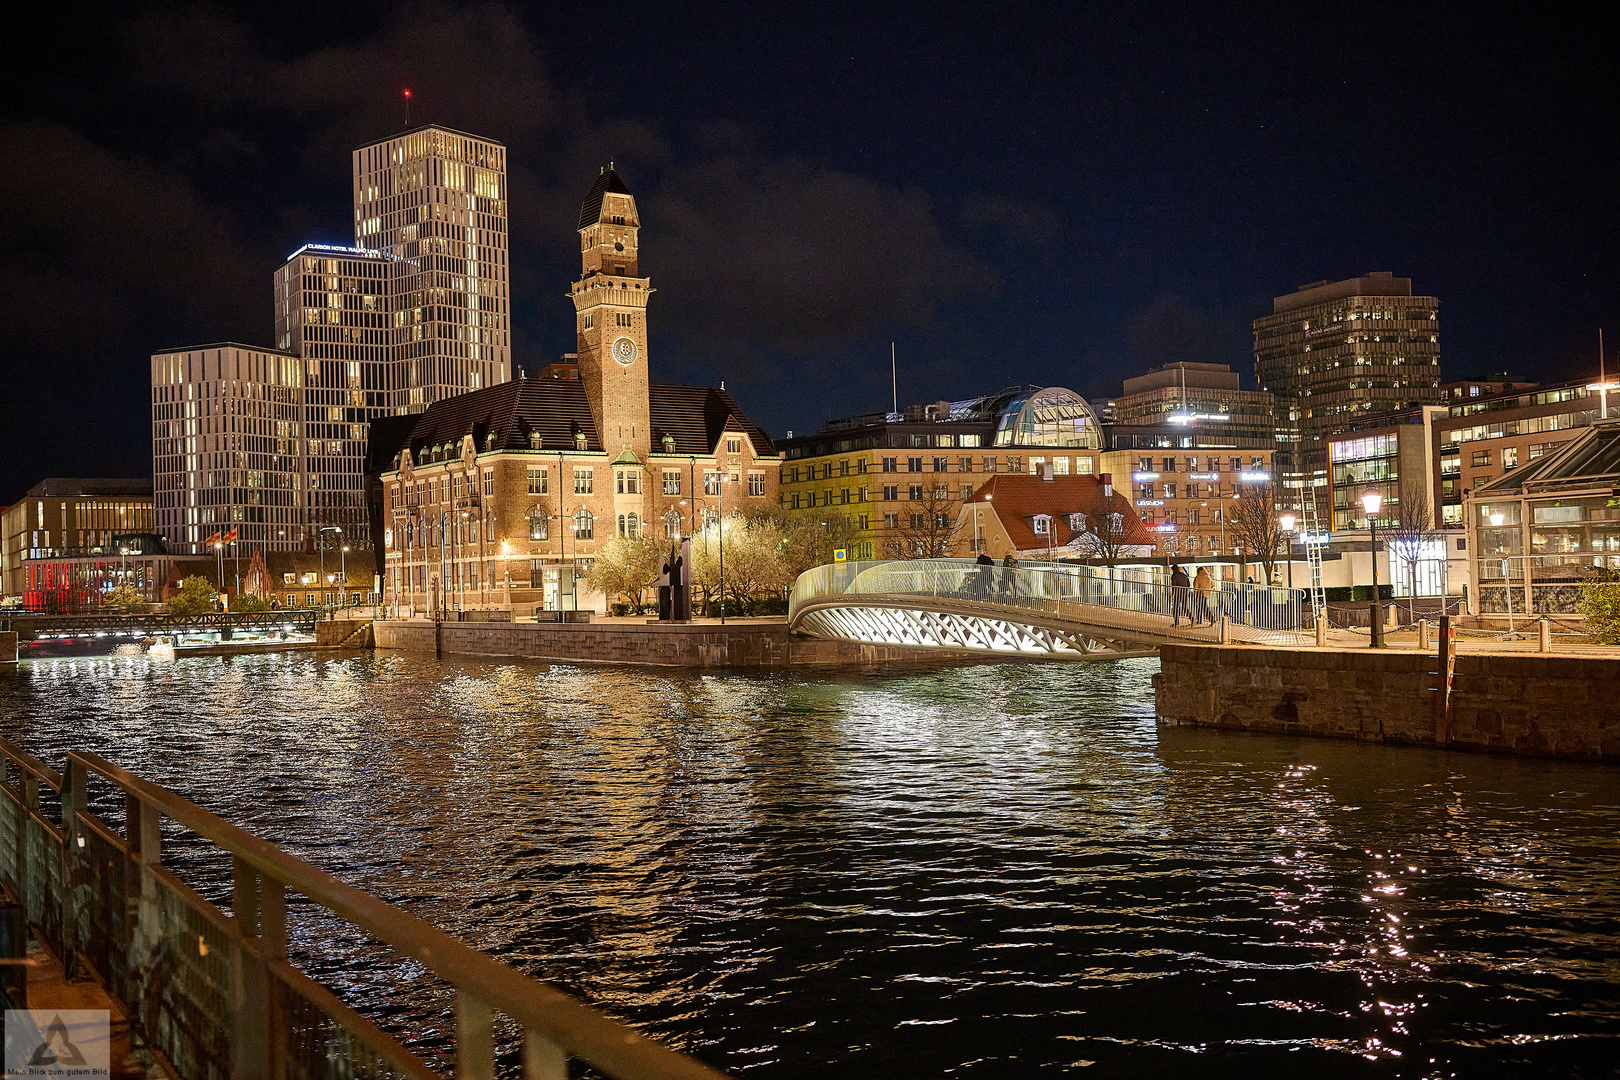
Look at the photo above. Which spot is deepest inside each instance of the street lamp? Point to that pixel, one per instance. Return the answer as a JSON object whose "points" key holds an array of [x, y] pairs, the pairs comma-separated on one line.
{"points": [[320, 545], [343, 570], [720, 508], [1286, 519], [1371, 500]]}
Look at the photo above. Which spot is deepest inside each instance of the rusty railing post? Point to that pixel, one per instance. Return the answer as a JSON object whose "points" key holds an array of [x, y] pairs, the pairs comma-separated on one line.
{"points": [[250, 979], [475, 1038], [273, 948], [74, 777], [542, 1058]]}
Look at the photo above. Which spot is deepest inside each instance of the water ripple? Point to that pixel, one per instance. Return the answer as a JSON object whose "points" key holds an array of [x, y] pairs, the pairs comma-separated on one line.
{"points": [[987, 871]]}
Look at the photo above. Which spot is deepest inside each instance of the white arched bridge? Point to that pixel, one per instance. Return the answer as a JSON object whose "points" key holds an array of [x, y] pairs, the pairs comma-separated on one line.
{"points": [[1051, 609]]}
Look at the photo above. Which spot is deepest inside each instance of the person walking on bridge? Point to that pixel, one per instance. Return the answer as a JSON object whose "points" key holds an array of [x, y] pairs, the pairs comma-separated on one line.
{"points": [[1009, 574], [1203, 585], [1180, 597], [981, 576]]}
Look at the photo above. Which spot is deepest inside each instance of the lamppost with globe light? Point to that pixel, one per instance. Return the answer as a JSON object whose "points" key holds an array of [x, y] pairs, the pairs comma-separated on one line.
{"points": [[1371, 500], [1286, 519]]}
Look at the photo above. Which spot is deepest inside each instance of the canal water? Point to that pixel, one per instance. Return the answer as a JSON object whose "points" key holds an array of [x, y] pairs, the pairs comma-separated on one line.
{"points": [[993, 871]]}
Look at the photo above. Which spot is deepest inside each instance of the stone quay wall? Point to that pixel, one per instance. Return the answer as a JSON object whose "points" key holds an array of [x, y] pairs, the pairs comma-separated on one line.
{"points": [[694, 645], [1522, 703]]}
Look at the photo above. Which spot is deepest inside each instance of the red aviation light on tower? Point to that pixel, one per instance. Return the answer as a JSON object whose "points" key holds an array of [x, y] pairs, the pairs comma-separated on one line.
{"points": [[407, 92]]}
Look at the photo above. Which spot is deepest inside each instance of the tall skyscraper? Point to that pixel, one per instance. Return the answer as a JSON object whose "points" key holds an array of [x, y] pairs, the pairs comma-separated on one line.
{"points": [[416, 311], [434, 200], [1334, 351]]}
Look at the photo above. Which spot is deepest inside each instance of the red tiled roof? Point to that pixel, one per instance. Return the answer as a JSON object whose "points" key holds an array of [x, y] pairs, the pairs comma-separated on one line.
{"points": [[1017, 498], [695, 416]]}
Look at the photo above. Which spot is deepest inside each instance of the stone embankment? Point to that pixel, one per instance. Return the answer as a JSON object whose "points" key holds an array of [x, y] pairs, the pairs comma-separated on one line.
{"points": [[740, 643], [1517, 703]]}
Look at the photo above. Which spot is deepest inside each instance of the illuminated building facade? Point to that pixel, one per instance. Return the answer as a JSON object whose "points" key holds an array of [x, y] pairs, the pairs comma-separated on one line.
{"points": [[503, 496], [1182, 493], [1201, 405], [416, 311], [68, 540], [1334, 351], [893, 472], [1485, 435]]}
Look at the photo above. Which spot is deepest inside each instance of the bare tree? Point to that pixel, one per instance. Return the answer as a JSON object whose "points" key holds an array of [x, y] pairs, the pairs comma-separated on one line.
{"points": [[930, 529], [1414, 526], [1103, 535], [1251, 519]]}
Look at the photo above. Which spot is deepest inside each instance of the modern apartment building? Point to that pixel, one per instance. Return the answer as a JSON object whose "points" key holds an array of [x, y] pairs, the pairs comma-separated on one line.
{"points": [[1391, 454], [1196, 406], [1481, 437], [66, 520], [898, 475], [1334, 351], [416, 311], [227, 447]]}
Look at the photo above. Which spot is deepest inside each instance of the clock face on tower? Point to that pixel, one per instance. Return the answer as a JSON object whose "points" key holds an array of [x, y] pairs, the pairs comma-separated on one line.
{"points": [[624, 350]]}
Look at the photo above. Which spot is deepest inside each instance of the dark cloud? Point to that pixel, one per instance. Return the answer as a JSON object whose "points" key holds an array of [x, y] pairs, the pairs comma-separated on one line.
{"points": [[1169, 329], [1026, 221], [105, 247], [754, 253], [782, 254]]}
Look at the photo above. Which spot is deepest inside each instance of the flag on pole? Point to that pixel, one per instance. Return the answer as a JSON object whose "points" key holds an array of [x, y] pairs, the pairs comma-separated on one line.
{"points": [[212, 539], [228, 538]]}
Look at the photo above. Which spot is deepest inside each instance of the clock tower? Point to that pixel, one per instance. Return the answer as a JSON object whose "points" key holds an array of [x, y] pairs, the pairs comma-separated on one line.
{"points": [[610, 318]]}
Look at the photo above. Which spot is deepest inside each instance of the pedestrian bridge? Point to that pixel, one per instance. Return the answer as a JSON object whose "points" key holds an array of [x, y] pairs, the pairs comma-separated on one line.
{"points": [[1051, 609]]}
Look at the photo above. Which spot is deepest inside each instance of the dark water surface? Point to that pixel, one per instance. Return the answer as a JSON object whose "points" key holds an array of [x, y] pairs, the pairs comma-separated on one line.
{"points": [[995, 871]]}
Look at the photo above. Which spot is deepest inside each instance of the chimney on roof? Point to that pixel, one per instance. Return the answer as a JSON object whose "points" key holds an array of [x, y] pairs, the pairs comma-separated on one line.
{"points": [[1107, 484]]}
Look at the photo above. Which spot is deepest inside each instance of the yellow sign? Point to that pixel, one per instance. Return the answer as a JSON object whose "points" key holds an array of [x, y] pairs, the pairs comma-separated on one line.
{"points": [[840, 555]]}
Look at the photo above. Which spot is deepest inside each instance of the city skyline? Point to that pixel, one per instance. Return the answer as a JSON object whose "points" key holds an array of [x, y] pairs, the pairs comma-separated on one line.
{"points": [[1066, 207]]}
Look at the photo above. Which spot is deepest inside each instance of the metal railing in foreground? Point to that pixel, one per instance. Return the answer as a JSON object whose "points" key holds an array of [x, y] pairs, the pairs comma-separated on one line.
{"points": [[1118, 598], [214, 992]]}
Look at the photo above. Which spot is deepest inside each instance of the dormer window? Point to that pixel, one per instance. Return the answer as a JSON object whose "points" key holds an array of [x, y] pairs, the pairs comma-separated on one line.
{"points": [[534, 440], [1077, 523], [579, 440], [669, 444], [1043, 525]]}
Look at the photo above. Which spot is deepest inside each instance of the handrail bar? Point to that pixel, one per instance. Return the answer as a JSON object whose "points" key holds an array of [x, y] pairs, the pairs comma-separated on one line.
{"points": [[30, 764], [579, 1029]]}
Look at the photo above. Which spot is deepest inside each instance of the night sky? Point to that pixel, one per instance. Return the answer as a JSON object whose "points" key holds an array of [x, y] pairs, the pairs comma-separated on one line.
{"points": [[1050, 194]]}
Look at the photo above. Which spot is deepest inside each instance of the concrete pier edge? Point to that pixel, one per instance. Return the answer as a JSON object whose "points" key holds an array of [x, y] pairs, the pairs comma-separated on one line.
{"points": [[1510, 703], [759, 644]]}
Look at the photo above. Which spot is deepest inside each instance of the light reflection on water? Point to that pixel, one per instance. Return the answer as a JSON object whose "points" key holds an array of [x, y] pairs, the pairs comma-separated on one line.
{"points": [[993, 871]]}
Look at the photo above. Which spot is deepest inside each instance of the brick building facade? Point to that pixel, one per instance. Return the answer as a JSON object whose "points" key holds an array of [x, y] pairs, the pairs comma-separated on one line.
{"points": [[504, 496]]}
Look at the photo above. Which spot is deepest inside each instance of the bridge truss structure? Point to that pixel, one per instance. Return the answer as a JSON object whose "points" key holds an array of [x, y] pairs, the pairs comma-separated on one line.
{"points": [[226, 623], [1055, 610]]}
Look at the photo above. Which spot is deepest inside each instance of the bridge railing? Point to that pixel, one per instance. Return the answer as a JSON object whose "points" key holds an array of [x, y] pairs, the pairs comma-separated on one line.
{"points": [[214, 992], [1142, 599]]}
